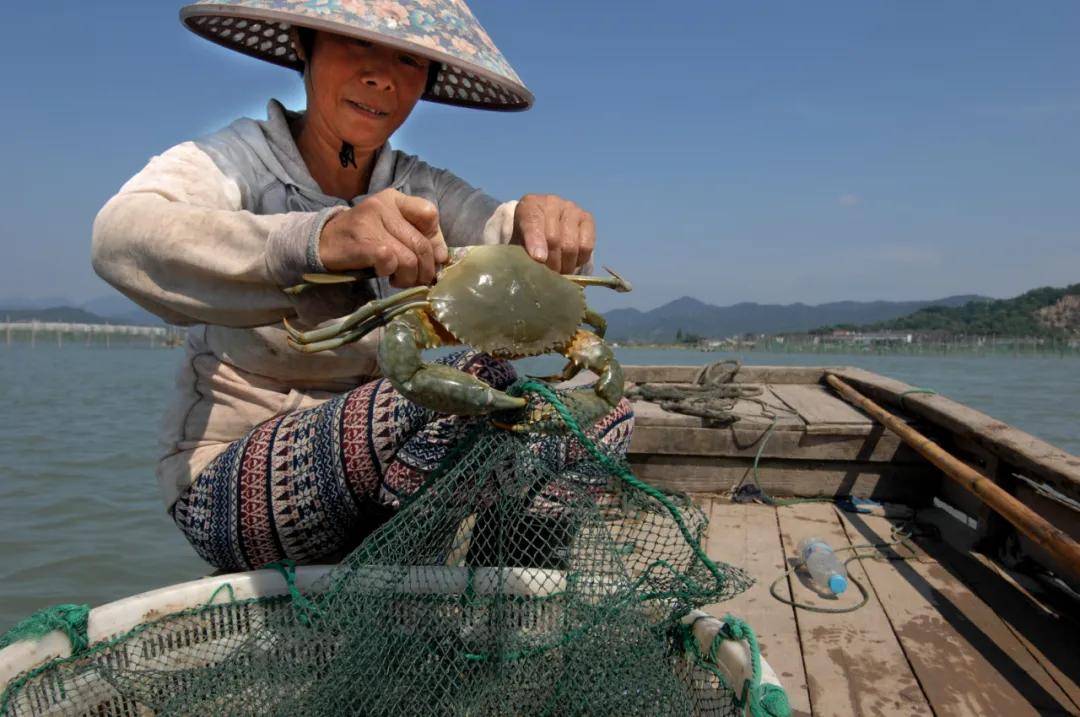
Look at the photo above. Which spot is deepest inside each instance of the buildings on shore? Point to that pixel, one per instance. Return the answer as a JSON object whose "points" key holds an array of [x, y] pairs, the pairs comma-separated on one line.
{"points": [[856, 341]]}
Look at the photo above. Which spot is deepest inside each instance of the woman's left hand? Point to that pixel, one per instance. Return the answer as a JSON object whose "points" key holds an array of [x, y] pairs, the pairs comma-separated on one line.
{"points": [[554, 231]]}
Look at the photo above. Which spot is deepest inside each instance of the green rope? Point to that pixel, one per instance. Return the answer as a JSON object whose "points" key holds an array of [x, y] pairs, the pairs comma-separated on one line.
{"points": [[820, 608], [69, 619], [16, 685], [770, 500], [736, 629], [227, 587], [904, 539], [306, 610], [759, 700], [928, 391]]}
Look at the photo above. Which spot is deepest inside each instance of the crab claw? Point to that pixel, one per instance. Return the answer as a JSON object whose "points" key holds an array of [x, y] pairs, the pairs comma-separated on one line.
{"points": [[621, 285], [589, 404], [313, 280], [444, 389]]}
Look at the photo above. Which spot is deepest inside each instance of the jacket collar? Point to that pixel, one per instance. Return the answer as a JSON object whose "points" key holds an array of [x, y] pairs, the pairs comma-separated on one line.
{"points": [[390, 170]]}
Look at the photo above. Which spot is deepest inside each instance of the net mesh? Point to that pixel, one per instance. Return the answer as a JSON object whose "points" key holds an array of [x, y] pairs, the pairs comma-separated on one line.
{"points": [[511, 583]]}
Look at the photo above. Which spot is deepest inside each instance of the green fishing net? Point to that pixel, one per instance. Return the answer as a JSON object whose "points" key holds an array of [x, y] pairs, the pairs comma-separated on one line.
{"points": [[526, 577]]}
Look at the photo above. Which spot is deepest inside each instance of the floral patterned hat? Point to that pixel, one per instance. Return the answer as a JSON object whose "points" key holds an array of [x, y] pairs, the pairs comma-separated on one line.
{"points": [[473, 73]]}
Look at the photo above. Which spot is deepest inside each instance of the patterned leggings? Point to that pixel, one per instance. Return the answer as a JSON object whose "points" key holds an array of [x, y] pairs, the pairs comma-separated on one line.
{"points": [[310, 485]]}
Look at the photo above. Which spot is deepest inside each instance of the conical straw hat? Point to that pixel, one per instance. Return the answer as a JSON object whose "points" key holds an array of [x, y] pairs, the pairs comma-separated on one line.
{"points": [[473, 72]]}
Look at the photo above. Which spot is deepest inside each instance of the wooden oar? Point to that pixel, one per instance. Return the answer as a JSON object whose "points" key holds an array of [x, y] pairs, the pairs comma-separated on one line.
{"points": [[1027, 521]]}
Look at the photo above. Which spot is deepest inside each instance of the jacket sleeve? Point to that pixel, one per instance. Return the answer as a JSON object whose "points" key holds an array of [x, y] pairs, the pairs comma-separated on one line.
{"points": [[176, 240], [468, 215]]}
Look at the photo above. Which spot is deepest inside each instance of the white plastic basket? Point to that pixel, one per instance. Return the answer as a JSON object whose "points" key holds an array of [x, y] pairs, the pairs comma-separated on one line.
{"points": [[236, 618]]}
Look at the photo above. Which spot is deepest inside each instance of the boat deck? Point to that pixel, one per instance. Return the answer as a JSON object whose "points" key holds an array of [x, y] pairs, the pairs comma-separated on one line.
{"points": [[945, 632], [804, 440]]}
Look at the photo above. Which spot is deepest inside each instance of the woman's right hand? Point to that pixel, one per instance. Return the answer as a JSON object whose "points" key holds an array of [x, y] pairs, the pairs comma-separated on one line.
{"points": [[393, 233]]}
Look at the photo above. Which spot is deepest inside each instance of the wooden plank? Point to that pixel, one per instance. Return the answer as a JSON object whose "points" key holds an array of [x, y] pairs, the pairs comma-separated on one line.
{"points": [[746, 374], [1034, 457], [748, 537], [967, 660], [897, 483], [823, 411], [1024, 519], [738, 442], [1061, 516], [1048, 632], [854, 663]]}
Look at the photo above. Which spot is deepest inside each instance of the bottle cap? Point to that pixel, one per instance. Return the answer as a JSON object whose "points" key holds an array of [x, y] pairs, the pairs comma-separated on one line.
{"points": [[837, 583]]}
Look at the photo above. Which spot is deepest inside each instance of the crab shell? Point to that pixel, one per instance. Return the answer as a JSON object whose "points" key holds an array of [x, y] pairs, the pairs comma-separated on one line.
{"points": [[502, 302]]}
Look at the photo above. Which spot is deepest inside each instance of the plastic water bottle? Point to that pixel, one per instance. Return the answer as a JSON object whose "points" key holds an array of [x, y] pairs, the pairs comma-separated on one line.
{"points": [[826, 570]]}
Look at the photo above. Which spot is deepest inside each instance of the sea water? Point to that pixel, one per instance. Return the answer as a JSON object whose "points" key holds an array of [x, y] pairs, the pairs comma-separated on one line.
{"points": [[80, 516]]}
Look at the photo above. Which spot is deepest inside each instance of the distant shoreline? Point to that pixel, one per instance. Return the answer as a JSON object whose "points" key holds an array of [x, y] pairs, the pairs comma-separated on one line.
{"points": [[928, 349]]}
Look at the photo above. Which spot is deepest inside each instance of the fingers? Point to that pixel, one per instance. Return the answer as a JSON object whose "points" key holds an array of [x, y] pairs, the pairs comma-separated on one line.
{"points": [[424, 216], [569, 226], [587, 232], [530, 228], [554, 231], [400, 236], [409, 259], [384, 259], [416, 256], [438, 243], [397, 235]]}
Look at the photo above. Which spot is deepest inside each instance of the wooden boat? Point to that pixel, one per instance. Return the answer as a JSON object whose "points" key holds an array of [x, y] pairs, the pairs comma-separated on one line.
{"points": [[977, 620], [968, 617]]}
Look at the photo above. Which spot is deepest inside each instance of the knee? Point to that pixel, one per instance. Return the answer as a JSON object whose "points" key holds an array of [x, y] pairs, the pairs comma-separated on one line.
{"points": [[617, 428]]}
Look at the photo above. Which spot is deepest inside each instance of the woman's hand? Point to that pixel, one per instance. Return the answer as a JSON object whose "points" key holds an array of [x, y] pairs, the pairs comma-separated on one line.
{"points": [[393, 233], [554, 231]]}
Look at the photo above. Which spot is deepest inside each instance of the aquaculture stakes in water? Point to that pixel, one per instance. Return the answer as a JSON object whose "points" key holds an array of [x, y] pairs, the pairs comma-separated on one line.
{"points": [[892, 346], [89, 334]]}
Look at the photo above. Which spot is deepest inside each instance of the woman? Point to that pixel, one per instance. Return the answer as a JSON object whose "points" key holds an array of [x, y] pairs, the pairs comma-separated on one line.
{"points": [[271, 453]]}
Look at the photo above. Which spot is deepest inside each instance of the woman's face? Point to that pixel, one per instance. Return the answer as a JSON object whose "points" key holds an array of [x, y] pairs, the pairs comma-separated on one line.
{"points": [[363, 91]]}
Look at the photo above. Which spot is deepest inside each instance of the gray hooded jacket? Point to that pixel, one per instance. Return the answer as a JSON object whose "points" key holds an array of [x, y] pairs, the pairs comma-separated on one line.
{"points": [[208, 233]]}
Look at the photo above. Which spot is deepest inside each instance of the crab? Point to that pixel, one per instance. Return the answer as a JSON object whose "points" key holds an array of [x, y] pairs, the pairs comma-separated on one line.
{"points": [[497, 300]]}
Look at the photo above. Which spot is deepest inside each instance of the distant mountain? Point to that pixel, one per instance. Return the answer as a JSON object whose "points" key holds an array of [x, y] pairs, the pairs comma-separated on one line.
{"points": [[691, 316], [21, 302], [121, 310], [1047, 311], [112, 309], [61, 314]]}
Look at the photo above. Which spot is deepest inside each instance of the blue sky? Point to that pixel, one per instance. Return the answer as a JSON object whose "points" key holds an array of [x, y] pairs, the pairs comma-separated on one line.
{"points": [[772, 152]]}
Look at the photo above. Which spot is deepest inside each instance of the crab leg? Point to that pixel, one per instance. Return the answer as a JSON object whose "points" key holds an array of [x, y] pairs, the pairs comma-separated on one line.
{"points": [[593, 319], [369, 310], [356, 334], [441, 388], [587, 350], [614, 281]]}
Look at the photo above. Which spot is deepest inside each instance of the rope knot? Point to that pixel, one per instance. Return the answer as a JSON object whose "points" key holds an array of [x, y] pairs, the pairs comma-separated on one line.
{"points": [[736, 628], [306, 610], [70, 619]]}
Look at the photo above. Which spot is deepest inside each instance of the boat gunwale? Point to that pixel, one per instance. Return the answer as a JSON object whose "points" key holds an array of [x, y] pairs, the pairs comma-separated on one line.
{"points": [[1029, 454]]}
